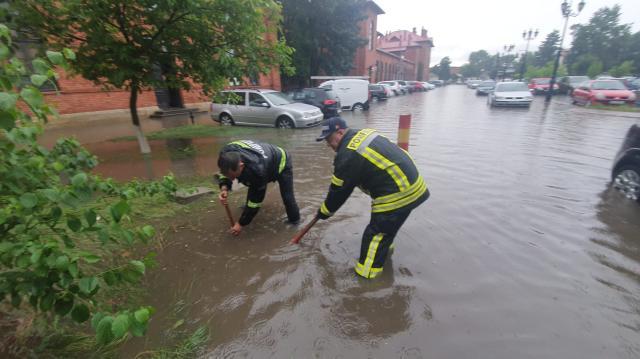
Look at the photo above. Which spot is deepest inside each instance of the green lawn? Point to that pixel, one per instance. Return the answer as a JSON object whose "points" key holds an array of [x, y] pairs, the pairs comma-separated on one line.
{"points": [[621, 108]]}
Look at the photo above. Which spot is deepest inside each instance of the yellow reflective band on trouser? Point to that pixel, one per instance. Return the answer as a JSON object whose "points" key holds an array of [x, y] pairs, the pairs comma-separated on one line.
{"points": [[337, 181], [384, 164], [410, 197], [366, 270], [324, 210], [254, 204], [283, 160]]}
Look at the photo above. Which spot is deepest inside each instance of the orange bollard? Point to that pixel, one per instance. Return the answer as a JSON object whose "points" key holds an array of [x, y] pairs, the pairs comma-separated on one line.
{"points": [[403, 132]]}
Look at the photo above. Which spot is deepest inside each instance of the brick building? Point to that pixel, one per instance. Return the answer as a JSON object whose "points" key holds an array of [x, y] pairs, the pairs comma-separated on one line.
{"points": [[398, 55]]}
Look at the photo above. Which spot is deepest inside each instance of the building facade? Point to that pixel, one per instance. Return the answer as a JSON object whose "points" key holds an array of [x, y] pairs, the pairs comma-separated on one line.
{"points": [[397, 55]]}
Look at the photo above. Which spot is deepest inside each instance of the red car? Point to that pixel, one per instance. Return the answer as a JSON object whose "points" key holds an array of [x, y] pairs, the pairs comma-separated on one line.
{"points": [[540, 85], [607, 92]]}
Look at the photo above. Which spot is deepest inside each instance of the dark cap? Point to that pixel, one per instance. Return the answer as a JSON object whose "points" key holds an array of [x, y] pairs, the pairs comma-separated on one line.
{"points": [[332, 125]]}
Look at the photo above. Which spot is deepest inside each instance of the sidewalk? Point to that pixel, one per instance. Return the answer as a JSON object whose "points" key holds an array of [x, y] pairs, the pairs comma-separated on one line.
{"points": [[599, 112]]}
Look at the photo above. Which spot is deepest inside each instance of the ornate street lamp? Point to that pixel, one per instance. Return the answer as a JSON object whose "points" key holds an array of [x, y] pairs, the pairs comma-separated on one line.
{"points": [[530, 35], [507, 49], [566, 13]]}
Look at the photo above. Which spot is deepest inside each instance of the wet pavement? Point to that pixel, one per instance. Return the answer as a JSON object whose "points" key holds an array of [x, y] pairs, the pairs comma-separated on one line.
{"points": [[522, 251]]}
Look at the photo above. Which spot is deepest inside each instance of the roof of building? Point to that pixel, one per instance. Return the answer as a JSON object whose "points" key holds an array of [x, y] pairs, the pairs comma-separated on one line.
{"points": [[375, 7], [396, 56], [401, 39]]}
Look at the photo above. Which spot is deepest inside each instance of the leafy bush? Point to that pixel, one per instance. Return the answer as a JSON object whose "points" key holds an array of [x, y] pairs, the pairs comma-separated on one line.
{"points": [[56, 228]]}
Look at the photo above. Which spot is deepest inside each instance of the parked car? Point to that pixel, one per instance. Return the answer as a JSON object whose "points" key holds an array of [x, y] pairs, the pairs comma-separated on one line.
{"points": [[625, 174], [510, 94], [485, 87], [378, 92], [472, 84], [428, 86], [634, 85], [388, 89], [353, 93], [394, 85], [607, 92], [568, 83], [540, 85], [326, 100], [437, 83], [416, 86], [403, 84], [263, 108]]}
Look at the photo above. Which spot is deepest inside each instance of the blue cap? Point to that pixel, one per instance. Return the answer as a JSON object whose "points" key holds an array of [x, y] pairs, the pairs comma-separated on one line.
{"points": [[332, 125]]}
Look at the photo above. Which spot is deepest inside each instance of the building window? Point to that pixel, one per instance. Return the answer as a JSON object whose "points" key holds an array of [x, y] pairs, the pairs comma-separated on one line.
{"points": [[370, 36]]}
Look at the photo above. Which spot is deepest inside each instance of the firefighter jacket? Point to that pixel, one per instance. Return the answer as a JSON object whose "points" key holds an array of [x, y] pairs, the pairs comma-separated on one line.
{"points": [[377, 166], [262, 164]]}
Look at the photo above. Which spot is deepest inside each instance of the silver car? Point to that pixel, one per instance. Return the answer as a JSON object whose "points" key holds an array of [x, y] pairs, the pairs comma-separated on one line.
{"points": [[263, 108], [510, 94]]}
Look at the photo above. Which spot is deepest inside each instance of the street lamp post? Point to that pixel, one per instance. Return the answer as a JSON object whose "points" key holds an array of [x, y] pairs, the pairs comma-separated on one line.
{"points": [[530, 35], [507, 49], [566, 13]]}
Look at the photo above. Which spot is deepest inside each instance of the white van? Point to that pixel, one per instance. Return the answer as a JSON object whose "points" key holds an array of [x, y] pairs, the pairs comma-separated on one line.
{"points": [[353, 93]]}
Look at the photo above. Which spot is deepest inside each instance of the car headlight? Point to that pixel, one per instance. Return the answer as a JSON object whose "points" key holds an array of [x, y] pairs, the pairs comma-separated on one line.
{"points": [[499, 98], [600, 96], [306, 114]]}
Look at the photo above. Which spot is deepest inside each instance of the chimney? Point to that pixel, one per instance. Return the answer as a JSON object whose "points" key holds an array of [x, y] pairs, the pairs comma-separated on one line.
{"points": [[414, 30], [424, 32]]}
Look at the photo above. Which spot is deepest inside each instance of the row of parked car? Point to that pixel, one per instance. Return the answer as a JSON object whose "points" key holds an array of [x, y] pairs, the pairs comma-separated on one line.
{"points": [[304, 107]]}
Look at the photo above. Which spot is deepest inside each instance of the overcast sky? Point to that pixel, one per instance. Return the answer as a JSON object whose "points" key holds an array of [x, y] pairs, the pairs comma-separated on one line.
{"points": [[459, 27]]}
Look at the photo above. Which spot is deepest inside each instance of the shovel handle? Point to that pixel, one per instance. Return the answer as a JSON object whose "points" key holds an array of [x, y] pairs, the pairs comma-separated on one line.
{"points": [[304, 231], [229, 215]]}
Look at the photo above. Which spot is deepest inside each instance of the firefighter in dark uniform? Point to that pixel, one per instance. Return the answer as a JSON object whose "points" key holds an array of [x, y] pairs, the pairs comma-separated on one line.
{"points": [[368, 160], [256, 164]]}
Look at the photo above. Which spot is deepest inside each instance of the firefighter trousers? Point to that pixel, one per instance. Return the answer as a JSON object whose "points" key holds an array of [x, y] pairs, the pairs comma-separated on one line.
{"points": [[285, 181], [377, 240]]}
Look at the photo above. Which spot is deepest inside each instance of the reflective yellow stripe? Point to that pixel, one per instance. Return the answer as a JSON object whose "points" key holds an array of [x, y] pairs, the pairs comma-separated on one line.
{"points": [[384, 164], [324, 210], [359, 137], [400, 203], [399, 195], [337, 181], [222, 177], [365, 270], [283, 160], [254, 204], [373, 272], [240, 143]]}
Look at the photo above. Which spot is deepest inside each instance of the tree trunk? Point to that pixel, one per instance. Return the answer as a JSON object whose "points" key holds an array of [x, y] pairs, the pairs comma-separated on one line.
{"points": [[133, 100]]}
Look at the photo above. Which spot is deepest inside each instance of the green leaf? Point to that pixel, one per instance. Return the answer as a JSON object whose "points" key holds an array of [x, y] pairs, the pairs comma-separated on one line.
{"points": [[88, 284], [62, 263], [103, 235], [55, 57], [36, 255], [46, 302], [63, 306], [32, 96], [28, 200], [73, 269], [8, 101], [69, 54], [109, 278], [138, 329], [80, 313], [38, 80], [96, 319], [74, 223], [142, 315], [104, 335], [79, 179], [40, 66], [119, 209], [138, 266], [7, 120], [4, 52], [120, 326], [57, 166], [148, 231], [91, 258], [51, 194], [91, 217]]}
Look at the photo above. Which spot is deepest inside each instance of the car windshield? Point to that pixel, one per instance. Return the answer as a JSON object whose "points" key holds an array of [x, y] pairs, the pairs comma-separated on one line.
{"points": [[375, 88], [510, 87], [541, 81], [487, 84], [607, 85], [277, 98], [578, 79]]}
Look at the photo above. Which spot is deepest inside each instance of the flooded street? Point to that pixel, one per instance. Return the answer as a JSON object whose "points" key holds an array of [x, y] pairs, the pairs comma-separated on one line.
{"points": [[521, 251]]}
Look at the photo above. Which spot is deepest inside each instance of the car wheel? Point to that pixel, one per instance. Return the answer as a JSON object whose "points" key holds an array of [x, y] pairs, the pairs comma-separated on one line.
{"points": [[226, 119], [284, 122], [358, 107], [627, 181]]}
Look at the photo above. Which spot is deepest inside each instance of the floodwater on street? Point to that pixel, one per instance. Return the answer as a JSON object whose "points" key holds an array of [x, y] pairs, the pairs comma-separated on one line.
{"points": [[522, 251]]}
